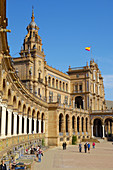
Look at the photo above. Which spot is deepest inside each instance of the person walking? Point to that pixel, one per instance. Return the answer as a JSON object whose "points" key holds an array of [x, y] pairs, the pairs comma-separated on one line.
{"points": [[80, 147], [39, 155], [88, 145], [85, 147], [93, 145]]}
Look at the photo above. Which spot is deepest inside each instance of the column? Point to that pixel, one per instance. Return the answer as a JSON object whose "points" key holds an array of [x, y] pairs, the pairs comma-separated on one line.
{"points": [[15, 123], [92, 131], [3, 121], [30, 125], [39, 125], [25, 124], [9, 121], [20, 124], [35, 125], [103, 131], [84, 126], [88, 127], [112, 127], [75, 122]]}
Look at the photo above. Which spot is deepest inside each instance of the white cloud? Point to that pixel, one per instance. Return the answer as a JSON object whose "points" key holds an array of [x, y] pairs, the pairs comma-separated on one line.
{"points": [[108, 81]]}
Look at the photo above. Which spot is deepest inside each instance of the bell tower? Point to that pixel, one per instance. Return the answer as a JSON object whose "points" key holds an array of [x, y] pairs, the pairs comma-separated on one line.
{"points": [[31, 63]]}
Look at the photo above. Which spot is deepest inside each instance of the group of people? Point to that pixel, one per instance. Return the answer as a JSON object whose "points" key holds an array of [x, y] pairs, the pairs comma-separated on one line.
{"points": [[37, 151], [86, 147]]}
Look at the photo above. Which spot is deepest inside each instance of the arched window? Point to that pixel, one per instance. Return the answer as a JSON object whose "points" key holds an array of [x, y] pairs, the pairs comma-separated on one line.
{"points": [[66, 87], [78, 119], [73, 121], [63, 86], [82, 124], [60, 85], [53, 82], [57, 84]]}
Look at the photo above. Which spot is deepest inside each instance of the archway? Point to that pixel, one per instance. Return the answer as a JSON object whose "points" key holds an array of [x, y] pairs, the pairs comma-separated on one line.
{"points": [[97, 128], [78, 102], [73, 123], [67, 123], [78, 122], [37, 129], [60, 123], [42, 123], [82, 124], [108, 127]]}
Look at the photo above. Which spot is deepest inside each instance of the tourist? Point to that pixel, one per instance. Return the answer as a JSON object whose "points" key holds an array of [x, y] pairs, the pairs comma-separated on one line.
{"points": [[39, 155], [32, 150], [64, 143], [88, 145], [93, 144], [37, 152], [80, 147], [3, 165], [85, 147]]}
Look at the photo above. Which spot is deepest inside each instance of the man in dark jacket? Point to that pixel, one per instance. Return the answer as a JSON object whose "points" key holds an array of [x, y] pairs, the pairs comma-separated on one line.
{"points": [[3, 166]]}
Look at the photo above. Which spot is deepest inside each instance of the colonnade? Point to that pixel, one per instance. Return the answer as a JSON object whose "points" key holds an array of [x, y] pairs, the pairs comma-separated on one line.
{"points": [[13, 123], [102, 127], [74, 125]]}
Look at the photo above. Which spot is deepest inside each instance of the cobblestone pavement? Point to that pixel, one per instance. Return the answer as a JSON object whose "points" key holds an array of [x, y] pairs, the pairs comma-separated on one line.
{"points": [[100, 158]]}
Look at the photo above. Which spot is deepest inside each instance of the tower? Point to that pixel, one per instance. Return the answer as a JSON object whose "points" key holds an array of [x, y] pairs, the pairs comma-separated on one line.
{"points": [[30, 65]]}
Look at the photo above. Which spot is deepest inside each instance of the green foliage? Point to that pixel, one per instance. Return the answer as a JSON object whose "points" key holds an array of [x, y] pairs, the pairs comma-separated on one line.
{"points": [[74, 140], [43, 142]]}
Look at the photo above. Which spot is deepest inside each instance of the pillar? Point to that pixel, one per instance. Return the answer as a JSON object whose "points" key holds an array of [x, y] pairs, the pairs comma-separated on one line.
{"points": [[103, 131], [35, 125], [112, 127], [84, 126], [3, 121], [25, 124], [20, 124], [15, 123], [75, 122], [9, 121], [92, 131], [39, 125], [30, 125]]}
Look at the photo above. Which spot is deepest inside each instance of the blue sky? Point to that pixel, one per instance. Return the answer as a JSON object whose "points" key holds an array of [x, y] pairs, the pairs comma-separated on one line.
{"points": [[66, 28]]}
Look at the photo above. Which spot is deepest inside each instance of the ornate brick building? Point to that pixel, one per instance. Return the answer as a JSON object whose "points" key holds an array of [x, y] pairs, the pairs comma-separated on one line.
{"points": [[38, 101]]}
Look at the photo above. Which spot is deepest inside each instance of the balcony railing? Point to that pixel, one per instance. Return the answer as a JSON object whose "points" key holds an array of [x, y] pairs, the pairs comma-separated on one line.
{"points": [[78, 91], [102, 111]]}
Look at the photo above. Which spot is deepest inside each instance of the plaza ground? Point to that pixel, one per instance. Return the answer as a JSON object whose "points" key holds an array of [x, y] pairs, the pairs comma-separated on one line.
{"points": [[100, 158]]}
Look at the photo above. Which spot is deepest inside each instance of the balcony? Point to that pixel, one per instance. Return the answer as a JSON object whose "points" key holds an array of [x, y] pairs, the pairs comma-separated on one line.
{"points": [[78, 91]]}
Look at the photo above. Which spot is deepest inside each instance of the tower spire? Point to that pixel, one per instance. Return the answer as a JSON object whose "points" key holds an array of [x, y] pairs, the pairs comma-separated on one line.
{"points": [[33, 14]]}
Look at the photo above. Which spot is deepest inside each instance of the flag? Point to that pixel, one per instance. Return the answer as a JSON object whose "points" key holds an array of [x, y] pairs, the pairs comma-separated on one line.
{"points": [[87, 48]]}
